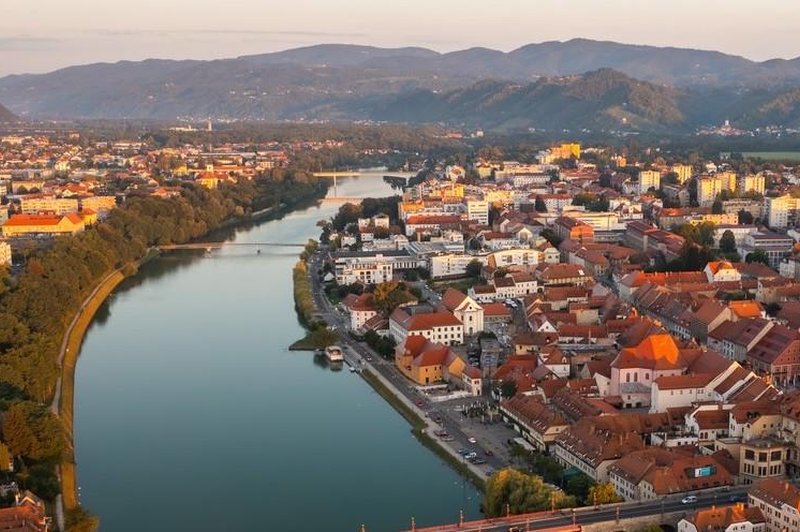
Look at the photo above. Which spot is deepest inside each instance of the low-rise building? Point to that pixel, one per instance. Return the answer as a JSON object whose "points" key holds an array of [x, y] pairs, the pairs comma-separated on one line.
{"points": [[779, 502], [42, 224], [536, 422], [735, 518]]}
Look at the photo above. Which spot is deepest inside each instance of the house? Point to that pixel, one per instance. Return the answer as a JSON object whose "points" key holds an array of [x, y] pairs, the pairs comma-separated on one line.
{"points": [[426, 362], [777, 354], [465, 309], [27, 515], [593, 445], [721, 271], [536, 422], [779, 501], [734, 518], [361, 308], [440, 326], [653, 473]]}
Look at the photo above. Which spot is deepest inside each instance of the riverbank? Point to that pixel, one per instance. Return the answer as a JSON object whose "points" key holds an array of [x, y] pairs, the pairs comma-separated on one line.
{"points": [[420, 428], [66, 406]]}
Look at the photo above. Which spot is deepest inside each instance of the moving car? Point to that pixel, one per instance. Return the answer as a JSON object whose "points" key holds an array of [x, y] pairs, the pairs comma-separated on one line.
{"points": [[689, 500], [472, 440]]}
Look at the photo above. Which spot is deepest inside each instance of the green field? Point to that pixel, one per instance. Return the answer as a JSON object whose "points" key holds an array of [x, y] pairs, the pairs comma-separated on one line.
{"points": [[772, 155]]}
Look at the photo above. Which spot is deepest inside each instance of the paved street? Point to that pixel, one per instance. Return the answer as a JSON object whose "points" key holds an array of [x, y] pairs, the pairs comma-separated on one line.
{"points": [[488, 437]]}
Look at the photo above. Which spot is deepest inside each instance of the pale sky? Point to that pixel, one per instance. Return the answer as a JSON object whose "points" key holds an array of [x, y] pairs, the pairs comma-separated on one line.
{"points": [[43, 35]]}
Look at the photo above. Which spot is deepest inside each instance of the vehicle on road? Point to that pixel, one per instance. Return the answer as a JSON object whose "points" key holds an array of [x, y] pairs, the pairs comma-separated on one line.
{"points": [[488, 452], [689, 500], [472, 440], [462, 451], [419, 402]]}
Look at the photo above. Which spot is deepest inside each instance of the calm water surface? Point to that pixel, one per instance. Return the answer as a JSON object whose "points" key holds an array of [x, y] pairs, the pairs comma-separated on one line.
{"points": [[191, 414]]}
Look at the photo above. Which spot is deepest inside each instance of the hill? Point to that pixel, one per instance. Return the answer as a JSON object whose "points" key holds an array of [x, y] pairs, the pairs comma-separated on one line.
{"points": [[601, 99], [6, 115], [538, 85]]}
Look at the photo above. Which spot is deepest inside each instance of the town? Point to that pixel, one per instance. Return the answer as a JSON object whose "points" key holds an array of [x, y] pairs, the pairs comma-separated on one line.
{"points": [[613, 330], [629, 332]]}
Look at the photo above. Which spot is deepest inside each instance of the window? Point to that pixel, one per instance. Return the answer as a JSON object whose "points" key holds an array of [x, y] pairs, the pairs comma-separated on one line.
{"points": [[749, 455], [776, 455]]}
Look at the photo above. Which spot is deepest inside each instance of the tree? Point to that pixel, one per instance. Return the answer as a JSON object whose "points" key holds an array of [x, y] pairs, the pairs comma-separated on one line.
{"points": [[474, 268], [31, 430], [514, 492], [716, 207], [727, 243], [549, 235], [602, 494], [390, 295], [508, 389], [539, 204], [758, 255], [745, 217], [579, 486]]}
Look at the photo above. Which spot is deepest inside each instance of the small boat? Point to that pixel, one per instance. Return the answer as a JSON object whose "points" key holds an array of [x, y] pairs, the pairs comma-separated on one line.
{"points": [[334, 353]]}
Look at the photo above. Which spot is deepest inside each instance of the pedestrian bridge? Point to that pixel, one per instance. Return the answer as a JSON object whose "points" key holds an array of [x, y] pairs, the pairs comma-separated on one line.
{"points": [[217, 245]]}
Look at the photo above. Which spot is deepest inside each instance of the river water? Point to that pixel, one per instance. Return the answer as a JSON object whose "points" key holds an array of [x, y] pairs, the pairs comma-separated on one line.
{"points": [[191, 414]]}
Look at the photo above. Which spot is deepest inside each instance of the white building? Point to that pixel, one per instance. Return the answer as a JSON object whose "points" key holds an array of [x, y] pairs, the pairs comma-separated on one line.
{"points": [[649, 179], [779, 502], [478, 211]]}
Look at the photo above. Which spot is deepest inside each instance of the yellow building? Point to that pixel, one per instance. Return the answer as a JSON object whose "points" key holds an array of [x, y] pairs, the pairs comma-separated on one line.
{"points": [[34, 203], [752, 183], [208, 180], [38, 224], [708, 187], [727, 180], [683, 171], [566, 150], [98, 203]]}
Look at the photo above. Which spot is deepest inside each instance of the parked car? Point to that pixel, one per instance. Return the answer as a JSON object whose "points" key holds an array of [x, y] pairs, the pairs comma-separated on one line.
{"points": [[691, 499]]}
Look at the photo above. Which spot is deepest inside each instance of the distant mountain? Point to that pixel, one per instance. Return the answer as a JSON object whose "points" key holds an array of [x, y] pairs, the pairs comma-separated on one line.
{"points": [[642, 87], [600, 99], [6, 115]]}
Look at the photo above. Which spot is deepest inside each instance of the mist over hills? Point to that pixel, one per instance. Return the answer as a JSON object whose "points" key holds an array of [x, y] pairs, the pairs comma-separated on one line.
{"points": [[574, 84], [6, 115]]}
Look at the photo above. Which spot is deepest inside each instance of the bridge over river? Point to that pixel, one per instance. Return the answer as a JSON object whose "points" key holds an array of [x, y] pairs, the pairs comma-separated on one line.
{"points": [[217, 245]]}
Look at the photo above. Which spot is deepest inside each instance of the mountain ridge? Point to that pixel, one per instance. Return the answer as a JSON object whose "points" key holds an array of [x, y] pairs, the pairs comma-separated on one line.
{"points": [[633, 85]]}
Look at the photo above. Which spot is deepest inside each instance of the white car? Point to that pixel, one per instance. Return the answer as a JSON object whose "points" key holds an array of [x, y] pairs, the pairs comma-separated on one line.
{"points": [[472, 440], [689, 500]]}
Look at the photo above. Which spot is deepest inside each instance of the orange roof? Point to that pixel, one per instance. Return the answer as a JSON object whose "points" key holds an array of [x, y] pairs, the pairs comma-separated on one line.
{"points": [[746, 308], [21, 220]]}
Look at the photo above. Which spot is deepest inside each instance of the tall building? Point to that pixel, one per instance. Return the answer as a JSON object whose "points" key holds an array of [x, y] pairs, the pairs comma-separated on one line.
{"points": [[753, 182], [683, 171], [708, 187], [780, 211], [727, 181], [478, 210], [649, 179]]}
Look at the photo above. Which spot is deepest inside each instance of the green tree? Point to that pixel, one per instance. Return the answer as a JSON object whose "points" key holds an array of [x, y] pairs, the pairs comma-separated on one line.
{"points": [[474, 268], [716, 207], [539, 205], [745, 217], [727, 242], [508, 389], [31, 430], [758, 255], [514, 492]]}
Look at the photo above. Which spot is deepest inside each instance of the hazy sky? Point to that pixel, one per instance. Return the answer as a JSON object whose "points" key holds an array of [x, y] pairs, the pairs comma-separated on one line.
{"points": [[42, 35]]}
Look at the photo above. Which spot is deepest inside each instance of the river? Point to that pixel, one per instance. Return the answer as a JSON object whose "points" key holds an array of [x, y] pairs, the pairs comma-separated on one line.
{"points": [[191, 414]]}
